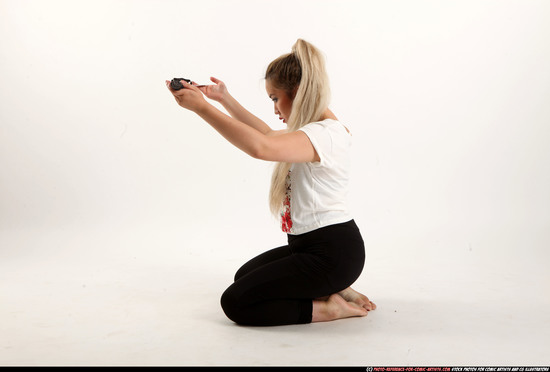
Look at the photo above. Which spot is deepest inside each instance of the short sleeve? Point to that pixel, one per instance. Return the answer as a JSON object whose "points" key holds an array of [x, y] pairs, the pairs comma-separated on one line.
{"points": [[321, 140]]}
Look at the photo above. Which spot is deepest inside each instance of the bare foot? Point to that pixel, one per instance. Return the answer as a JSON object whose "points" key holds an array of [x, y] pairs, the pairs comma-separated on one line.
{"points": [[351, 295], [335, 308]]}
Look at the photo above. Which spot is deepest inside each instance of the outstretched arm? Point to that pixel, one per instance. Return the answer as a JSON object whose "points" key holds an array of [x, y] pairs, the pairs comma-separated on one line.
{"points": [[292, 147], [219, 93]]}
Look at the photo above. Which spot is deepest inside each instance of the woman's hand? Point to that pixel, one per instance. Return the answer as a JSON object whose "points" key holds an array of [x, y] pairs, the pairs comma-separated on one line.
{"points": [[216, 92], [190, 97]]}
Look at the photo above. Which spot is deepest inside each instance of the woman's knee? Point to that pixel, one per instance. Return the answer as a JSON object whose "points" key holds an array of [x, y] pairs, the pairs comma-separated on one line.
{"points": [[230, 305], [240, 273]]}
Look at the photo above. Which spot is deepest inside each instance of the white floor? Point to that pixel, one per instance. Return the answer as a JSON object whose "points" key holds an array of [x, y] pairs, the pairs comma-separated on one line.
{"points": [[142, 298]]}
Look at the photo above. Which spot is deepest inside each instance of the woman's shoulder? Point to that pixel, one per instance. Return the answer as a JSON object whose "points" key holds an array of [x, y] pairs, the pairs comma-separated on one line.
{"points": [[325, 123], [328, 124]]}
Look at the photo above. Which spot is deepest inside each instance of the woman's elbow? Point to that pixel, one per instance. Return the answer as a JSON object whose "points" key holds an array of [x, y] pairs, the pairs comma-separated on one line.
{"points": [[258, 152]]}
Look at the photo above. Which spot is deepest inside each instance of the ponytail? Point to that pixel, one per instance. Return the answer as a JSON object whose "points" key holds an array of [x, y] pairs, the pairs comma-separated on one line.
{"points": [[304, 69]]}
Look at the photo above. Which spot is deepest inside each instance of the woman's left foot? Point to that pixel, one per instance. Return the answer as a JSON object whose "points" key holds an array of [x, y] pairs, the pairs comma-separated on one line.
{"points": [[335, 308], [350, 295]]}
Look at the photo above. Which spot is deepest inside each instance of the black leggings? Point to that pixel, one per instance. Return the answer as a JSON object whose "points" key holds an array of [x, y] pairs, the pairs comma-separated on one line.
{"points": [[278, 286]]}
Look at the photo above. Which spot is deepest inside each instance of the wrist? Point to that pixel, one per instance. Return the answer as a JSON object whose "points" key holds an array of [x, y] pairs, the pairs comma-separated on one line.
{"points": [[226, 100], [203, 108]]}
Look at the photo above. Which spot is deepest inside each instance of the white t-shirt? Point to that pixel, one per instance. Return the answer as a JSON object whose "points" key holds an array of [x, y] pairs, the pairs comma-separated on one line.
{"points": [[317, 191]]}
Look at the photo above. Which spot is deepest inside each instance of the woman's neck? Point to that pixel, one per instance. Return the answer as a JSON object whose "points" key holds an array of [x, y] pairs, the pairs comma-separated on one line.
{"points": [[328, 115]]}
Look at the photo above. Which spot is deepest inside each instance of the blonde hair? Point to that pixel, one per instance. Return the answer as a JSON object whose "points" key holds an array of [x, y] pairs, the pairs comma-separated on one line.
{"points": [[302, 75]]}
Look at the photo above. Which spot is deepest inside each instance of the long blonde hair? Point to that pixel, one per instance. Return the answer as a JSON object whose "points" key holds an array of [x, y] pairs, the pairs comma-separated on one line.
{"points": [[304, 69]]}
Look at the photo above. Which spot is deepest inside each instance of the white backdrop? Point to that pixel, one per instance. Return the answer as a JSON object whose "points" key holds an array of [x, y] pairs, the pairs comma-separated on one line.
{"points": [[448, 102]]}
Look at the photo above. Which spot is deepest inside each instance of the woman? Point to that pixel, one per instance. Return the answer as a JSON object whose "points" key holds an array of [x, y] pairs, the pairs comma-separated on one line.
{"points": [[309, 279]]}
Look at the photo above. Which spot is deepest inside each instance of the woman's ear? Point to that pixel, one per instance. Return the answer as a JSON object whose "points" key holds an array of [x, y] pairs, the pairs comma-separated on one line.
{"points": [[294, 91]]}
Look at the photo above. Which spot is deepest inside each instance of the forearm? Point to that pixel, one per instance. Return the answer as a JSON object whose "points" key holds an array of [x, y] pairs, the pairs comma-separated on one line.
{"points": [[237, 111], [245, 137]]}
